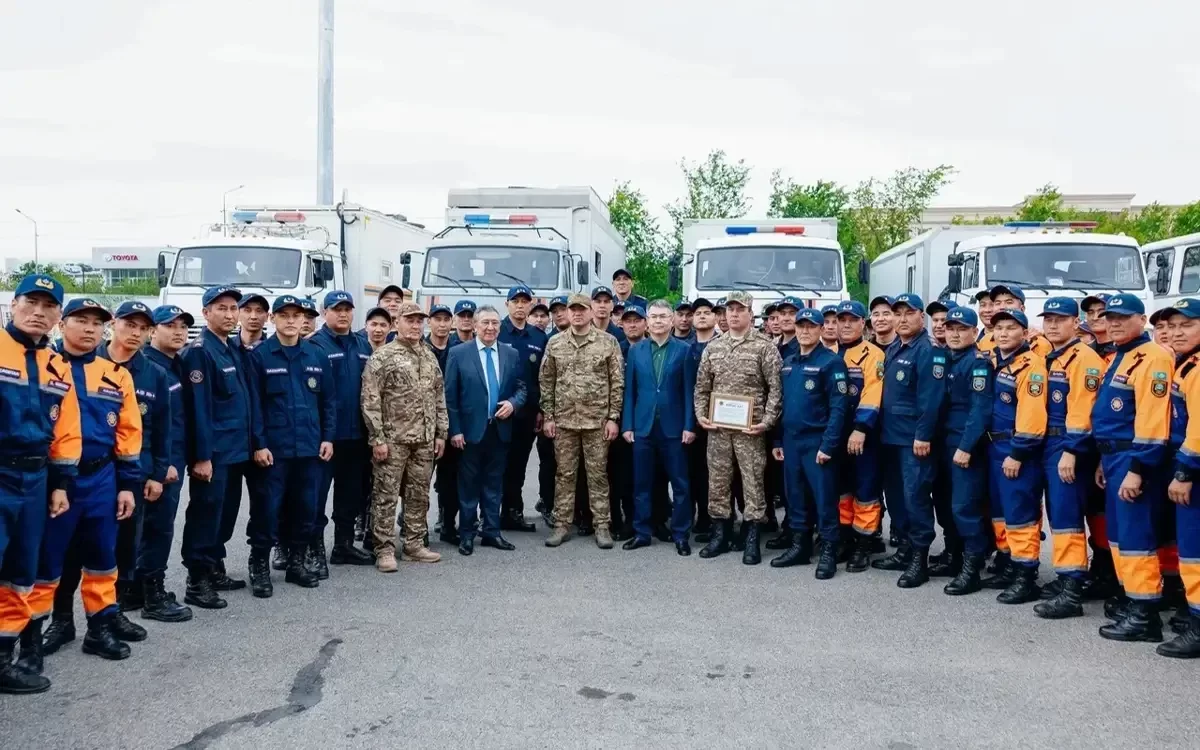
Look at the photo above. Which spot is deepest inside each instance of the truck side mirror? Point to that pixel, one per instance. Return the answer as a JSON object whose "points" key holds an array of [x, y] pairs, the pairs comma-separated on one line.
{"points": [[674, 276], [162, 270], [954, 280], [406, 259], [327, 271], [1160, 260], [405, 275], [864, 271], [581, 273]]}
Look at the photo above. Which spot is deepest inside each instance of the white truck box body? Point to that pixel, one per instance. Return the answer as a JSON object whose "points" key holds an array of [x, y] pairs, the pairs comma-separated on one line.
{"points": [[1179, 274]]}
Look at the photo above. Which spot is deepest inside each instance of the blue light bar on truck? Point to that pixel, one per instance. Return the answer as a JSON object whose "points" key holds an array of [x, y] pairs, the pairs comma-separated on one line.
{"points": [[1051, 224], [279, 217], [511, 219], [769, 229]]}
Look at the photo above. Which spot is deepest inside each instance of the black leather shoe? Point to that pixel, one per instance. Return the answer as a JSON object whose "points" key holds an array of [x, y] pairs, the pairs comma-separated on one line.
{"points": [[160, 604], [896, 562], [1052, 589], [967, 580], [782, 541], [1181, 620], [260, 574], [497, 542], [1116, 607], [450, 536], [1187, 645], [875, 545], [125, 630], [799, 553], [737, 542], [466, 546], [59, 633], [316, 560], [636, 543], [718, 543], [1141, 623], [15, 679], [860, 554], [199, 592], [515, 521], [623, 532], [1068, 602], [827, 562], [129, 596], [298, 571], [683, 549], [753, 553], [279, 558], [345, 553], [894, 539], [947, 565], [222, 582], [31, 647], [917, 572], [101, 641], [1024, 587], [1004, 572], [1102, 580]]}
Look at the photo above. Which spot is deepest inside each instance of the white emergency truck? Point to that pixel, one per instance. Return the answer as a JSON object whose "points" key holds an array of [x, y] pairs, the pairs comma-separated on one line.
{"points": [[1172, 269]]}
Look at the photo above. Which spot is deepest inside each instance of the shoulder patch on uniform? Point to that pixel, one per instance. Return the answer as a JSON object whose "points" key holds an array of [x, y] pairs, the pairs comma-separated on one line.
{"points": [[1158, 384], [839, 376], [1036, 377], [1091, 380], [979, 382], [196, 376], [1035, 386], [1092, 371], [979, 372], [841, 386]]}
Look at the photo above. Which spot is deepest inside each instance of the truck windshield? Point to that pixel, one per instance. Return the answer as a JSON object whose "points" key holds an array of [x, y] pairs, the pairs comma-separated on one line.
{"points": [[271, 267], [816, 268], [1070, 265], [500, 267]]}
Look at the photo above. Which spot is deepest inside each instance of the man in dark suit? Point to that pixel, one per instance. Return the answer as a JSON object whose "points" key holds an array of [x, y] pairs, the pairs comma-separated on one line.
{"points": [[658, 419], [485, 386]]}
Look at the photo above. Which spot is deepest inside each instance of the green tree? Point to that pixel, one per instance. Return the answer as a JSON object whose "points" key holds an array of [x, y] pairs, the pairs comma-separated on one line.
{"points": [[645, 253], [716, 189], [134, 288], [885, 212], [821, 199], [1187, 220]]}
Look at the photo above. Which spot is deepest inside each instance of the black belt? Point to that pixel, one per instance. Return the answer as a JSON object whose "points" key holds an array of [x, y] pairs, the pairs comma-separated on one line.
{"points": [[23, 463], [87, 468], [1005, 435], [1113, 446], [1056, 432]]}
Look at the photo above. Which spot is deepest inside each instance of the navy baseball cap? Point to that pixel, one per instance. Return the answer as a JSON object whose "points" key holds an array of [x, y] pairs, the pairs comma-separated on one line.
{"points": [[829, 310], [247, 299], [434, 310], [940, 305], [40, 283], [720, 304], [337, 297], [1094, 299], [287, 300], [310, 306], [132, 307], [809, 315], [392, 288], [540, 306], [882, 299], [86, 304], [1064, 306], [1016, 315], [702, 302], [1188, 307], [789, 301], [602, 290], [557, 301], [1124, 304], [1012, 289], [983, 294], [213, 293], [682, 305], [465, 306], [963, 316], [622, 272], [910, 300], [635, 310], [518, 290], [170, 313], [381, 312], [851, 307]]}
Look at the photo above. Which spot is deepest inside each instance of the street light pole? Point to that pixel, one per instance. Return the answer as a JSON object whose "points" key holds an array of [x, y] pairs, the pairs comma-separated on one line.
{"points": [[224, 211], [36, 265], [325, 104]]}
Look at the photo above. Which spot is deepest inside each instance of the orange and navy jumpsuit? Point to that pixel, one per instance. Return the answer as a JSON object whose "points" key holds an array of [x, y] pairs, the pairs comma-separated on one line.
{"points": [[1018, 430], [110, 463], [861, 484], [39, 454], [1039, 344], [1185, 400], [1075, 374], [1131, 426], [1096, 517]]}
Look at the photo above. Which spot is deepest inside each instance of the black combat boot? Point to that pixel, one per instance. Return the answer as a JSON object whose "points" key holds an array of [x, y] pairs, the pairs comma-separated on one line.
{"points": [[948, 563], [800, 553], [1117, 606], [299, 573], [860, 554], [1102, 580], [129, 596], [161, 604], [917, 572], [1024, 587], [125, 630], [738, 542], [260, 573], [279, 558], [1173, 596], [199, 591], [15, 679], [967, 580], [718, 543], [1141, 623], [846, 543], [1067, 603], [316, 560], [875, 545], [753, 553], [1003, 573], [1052, 589], [782, 541], [1181, 620], [828, 561], [345, 553], [100, 640], [1187, 645], [897, 561], [222, 582], [59, 633], [31, 647]]}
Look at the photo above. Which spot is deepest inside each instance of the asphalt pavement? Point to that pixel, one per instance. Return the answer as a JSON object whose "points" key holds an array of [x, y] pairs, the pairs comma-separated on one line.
{"points": [[581, 647]]}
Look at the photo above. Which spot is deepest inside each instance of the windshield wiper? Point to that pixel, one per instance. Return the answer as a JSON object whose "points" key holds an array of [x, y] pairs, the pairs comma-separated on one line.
{"points": [[514, 278], [481, 282], [1021, 284], [456, 282], [760, 285]]}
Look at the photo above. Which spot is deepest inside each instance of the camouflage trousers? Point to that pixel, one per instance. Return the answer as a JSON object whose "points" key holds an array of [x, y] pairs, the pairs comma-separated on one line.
{"points": [[568, 445], [405, 474], [749, 452]]}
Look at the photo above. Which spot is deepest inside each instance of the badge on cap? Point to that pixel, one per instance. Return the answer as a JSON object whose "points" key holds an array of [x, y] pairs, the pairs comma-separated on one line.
{"points": [[43, 283]]}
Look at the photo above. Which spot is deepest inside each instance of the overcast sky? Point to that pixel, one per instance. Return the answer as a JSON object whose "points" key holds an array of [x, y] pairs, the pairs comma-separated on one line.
{"points": [[124, 121]]}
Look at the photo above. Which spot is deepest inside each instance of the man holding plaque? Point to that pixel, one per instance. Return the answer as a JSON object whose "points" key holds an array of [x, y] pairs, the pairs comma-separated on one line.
{"points": [[738, 401]]}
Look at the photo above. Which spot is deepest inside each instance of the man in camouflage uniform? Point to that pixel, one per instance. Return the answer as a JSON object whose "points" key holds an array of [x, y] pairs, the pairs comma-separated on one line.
{"points": [[583, 386], [404, 406], [740, 363]]}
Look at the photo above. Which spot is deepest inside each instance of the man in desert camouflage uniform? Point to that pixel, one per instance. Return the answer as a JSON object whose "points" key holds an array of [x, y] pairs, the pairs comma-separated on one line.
{"points": [[404, 406], [583, 386], [739, 363]]}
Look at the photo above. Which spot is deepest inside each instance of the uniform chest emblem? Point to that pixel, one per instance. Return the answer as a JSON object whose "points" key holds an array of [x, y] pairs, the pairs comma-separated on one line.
{"points": [[54, 412], [312, 383], [143, 408], [1035, 389], [1056, 396], [939, 371], [900, 375], [112, 419], [533, 356], [809, 384], [1006, 397], [842, 387], [853, 390], [1116, 404], [196, 376], [978, 384]]}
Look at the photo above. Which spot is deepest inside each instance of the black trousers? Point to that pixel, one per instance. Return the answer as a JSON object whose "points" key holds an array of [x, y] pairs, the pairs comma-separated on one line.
{"points": [[345, 473], [446, 483], [523, 437], [697, 455], [620, 482], [547, 466]]}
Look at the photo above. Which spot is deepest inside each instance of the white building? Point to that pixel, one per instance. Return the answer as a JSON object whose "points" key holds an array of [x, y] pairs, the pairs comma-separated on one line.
{"points": [[939, 216], [118, 264]]}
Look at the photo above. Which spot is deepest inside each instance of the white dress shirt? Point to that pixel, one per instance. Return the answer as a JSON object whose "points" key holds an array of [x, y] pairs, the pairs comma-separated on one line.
{"points": [[480, 346]]}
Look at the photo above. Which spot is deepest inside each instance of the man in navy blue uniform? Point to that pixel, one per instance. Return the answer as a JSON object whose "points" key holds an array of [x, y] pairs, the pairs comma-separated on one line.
{"points": [[530, 344], [464, 322], [914, 383], [295, 420], [622, 284], [218, 403], [658, 420], [485, 389], [602, 310], [346, 353], [441, 321], [704, 322], [809, 442]]}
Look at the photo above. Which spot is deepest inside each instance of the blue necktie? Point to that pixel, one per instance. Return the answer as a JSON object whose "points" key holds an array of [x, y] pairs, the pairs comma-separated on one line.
{"points": [[493, 382]]}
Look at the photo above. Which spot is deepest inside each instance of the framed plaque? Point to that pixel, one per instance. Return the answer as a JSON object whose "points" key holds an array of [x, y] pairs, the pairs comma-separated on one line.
{"points": [[733, 412]]}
